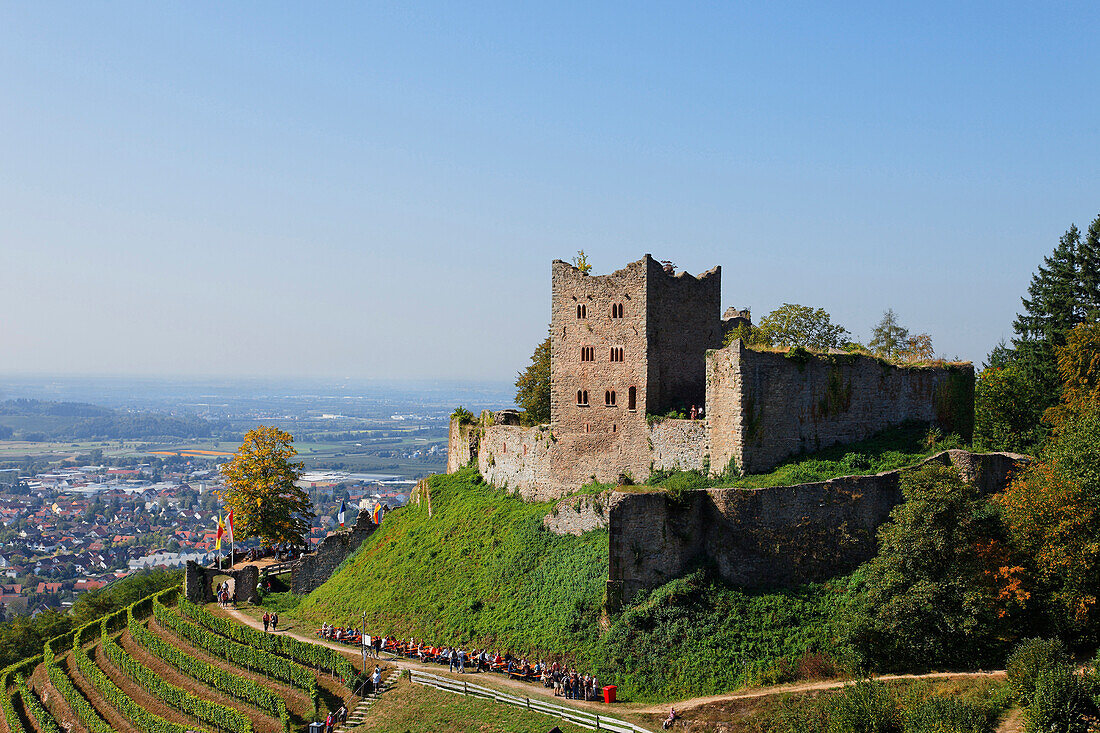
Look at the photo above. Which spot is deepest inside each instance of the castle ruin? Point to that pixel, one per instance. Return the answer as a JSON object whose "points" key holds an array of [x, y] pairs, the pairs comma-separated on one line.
{"points": [[629, 347]]}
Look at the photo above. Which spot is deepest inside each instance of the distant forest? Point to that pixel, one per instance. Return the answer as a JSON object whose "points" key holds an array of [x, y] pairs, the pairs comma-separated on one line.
{"points": [[41, 420]]}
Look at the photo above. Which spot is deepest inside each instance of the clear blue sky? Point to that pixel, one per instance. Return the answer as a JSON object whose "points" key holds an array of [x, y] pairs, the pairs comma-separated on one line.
{"points": [[371, 190]]}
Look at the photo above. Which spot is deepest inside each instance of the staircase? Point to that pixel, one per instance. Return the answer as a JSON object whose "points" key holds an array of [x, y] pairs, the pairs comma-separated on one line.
{"points": [[357, 716]]}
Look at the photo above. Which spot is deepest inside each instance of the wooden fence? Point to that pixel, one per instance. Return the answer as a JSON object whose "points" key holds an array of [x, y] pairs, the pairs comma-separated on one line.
{"points": [[577, 716]]}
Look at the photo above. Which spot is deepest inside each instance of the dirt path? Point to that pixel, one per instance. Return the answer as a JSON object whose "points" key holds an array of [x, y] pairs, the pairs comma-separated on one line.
{"points": [[526, 689], [684, 705], [533, 691]]}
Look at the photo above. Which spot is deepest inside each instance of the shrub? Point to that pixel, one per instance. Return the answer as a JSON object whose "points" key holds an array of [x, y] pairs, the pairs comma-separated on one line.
{"points": [[950, 715], [865, 707], [1028, 659], [1061, 703]]}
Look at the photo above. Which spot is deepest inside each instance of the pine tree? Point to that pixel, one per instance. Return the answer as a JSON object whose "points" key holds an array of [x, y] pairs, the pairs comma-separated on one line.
{"points": [[1063, 293]]}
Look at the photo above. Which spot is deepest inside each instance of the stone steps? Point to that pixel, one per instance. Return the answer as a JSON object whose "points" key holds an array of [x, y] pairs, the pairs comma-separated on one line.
{"points": [[359, 715]]}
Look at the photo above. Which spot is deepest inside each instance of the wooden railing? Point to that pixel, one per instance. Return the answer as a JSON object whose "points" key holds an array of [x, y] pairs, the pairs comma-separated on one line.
{"points": [[577, 716]]}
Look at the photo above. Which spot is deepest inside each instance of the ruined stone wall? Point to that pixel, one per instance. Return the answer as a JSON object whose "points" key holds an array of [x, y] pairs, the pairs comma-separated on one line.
{"points": [[684, 322], [678, 445], [317, 567], [462, 440], [518, 458], [764, 407], [761, 538], [579, 514]]}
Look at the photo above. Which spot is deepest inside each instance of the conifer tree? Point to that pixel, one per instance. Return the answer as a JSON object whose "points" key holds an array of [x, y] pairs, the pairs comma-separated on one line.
{"points": [[1064, 292]]}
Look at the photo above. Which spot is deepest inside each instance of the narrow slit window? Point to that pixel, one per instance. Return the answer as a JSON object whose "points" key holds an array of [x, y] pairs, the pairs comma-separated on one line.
{"points": [[609, 398], [617, 310], [617, 353], [582, 398], [582, 310], [632, 398]]}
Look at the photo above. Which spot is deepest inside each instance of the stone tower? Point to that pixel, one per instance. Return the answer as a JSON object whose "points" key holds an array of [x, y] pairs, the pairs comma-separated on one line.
{"points": [[622, 346]]}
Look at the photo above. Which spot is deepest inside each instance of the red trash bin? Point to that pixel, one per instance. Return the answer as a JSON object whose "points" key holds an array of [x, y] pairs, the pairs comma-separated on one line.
{"points": [[609, 694]]}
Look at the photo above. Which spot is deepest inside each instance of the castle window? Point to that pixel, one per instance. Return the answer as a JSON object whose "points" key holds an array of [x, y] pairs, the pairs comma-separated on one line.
{"points": [[587, 428], [614, 428], [609, 398], [617, 353], [505, 448], [582, 310], [588, 353], [617, 310], [582, 397], [632, 398]]}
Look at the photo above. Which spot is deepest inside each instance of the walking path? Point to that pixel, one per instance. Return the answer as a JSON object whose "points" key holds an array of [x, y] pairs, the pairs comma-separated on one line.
{"points": [[662, 709]]}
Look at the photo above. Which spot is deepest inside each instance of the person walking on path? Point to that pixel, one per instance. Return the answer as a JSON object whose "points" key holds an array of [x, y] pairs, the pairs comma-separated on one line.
{"points": [[274, 622], [376, 678], [267, 621]]}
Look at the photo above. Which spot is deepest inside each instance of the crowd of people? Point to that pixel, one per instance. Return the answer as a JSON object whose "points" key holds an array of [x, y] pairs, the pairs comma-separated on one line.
{"points": [[566, 681]]}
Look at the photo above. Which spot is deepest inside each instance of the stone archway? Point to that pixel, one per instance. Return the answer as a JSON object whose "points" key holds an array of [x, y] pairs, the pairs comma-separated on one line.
{"points": [[198, 582]]}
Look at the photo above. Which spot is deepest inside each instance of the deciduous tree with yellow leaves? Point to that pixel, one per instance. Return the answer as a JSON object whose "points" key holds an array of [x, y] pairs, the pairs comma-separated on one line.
{"points": [[262, 493]]}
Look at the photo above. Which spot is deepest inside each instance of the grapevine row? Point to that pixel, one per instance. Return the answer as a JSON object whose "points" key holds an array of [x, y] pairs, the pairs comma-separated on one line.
{"points": [[12, 718], [239, 654], [220, 716], [284, 645], [141, 718], [84, 710], [226, 682], [33, 707]]}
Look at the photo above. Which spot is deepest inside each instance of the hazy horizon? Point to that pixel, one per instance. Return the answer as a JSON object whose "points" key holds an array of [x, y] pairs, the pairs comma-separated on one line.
{"points": [[377, 193]]}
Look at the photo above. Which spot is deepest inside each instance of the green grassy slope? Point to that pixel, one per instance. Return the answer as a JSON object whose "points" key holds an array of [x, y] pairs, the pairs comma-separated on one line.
{"points": [[482, 570]]}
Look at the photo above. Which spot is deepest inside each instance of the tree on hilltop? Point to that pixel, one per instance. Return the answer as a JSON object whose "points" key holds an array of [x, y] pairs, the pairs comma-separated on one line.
{"points": [[800, 325], [266, 501], [888, 336], [533, 386]]}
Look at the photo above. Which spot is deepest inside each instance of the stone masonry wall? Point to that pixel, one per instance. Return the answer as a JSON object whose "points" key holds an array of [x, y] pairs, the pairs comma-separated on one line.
{"points": [[678, 445], [601, 313], [763, 538], [461, 445], [579, 514], [684, 322], [314, 569], [764, 407], [518, 458]]}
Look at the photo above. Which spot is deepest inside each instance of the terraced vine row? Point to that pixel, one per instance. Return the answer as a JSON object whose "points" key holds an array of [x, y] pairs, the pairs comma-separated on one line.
{"points": [[240, 654], [220, 716], [33, 708], [227, 682], [141, 718], [85, 687], [313, 655]]}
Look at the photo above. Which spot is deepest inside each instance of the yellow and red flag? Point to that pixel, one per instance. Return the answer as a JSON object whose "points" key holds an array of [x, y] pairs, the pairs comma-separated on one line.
{"points": [[221, 531]]}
